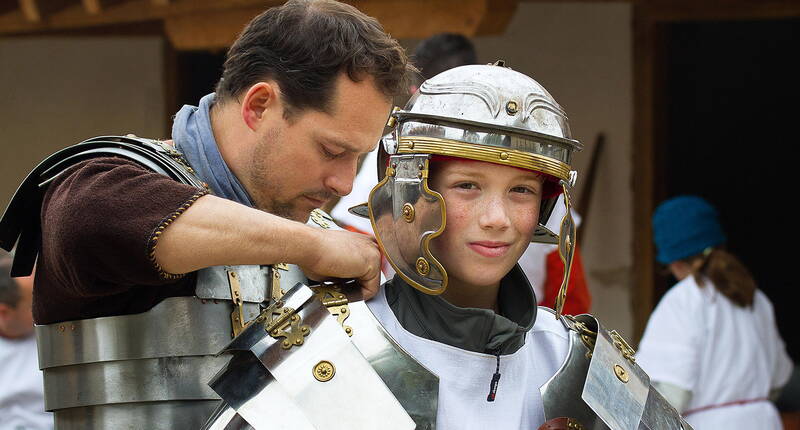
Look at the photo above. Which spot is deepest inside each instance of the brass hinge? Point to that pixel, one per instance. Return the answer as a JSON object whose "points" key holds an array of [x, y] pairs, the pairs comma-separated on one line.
{"points": [[283, 321], [237, 316], [276, 292], [336, 302], [627, 351]]}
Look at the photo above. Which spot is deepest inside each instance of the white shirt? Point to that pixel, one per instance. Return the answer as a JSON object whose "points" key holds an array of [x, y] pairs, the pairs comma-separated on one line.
{"points": [[698, 340], [21, 389], [464, 376]]}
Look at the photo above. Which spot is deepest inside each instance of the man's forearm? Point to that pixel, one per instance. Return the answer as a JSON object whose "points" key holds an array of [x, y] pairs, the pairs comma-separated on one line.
{"points": [[215, 231]]}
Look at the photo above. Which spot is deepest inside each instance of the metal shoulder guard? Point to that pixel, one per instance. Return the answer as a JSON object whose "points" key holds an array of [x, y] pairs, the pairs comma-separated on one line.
{"points": [[312, 353], [600, 386], [20, 223]]}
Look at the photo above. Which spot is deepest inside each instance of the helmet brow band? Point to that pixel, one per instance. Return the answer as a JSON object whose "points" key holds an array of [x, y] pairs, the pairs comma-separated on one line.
{"points": [[491, 154]]}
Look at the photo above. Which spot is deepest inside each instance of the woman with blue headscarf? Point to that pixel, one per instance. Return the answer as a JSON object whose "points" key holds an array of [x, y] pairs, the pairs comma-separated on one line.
{"points": [[711, 345]]}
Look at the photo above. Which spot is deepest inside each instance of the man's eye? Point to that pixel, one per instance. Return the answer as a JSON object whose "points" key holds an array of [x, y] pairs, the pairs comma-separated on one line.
{"points": [[328, 154], [466, 186]]}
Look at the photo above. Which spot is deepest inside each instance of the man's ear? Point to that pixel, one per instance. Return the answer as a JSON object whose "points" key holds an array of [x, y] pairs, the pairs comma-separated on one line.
{"points": [[259, 99], [5, 311]]}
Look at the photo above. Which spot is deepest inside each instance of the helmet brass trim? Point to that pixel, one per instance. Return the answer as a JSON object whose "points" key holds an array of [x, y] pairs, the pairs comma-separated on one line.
{"points": [[491, 154], [425, 245]]}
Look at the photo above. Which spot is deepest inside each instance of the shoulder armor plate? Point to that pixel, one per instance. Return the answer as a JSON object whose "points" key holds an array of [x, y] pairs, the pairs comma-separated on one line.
{"points": [[20, 223]]}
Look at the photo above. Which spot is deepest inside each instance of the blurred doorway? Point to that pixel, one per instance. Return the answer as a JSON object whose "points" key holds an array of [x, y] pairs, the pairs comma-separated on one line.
{"points": [[730, 115]]}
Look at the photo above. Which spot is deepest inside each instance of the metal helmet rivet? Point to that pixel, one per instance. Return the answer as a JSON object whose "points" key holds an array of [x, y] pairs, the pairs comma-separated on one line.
{"points": [[512, 107]]}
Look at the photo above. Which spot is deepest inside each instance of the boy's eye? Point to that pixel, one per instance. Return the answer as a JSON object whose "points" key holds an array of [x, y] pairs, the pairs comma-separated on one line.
{"points": [[523, 190]]}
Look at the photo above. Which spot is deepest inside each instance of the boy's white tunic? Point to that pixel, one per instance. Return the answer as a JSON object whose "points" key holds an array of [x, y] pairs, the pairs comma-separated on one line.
{"points": [[698, 340], [464, 376]]}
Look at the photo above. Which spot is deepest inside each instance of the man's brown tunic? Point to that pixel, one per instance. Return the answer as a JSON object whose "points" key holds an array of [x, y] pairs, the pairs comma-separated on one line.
{"points": [[100, 223]]}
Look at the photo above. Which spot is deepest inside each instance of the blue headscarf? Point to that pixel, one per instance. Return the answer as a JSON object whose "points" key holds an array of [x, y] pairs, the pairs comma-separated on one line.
{"points": [[685, 226], [193, 137]]}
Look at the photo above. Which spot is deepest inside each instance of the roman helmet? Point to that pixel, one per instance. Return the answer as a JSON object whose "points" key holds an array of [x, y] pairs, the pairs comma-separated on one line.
{"points": [[487, 113]]}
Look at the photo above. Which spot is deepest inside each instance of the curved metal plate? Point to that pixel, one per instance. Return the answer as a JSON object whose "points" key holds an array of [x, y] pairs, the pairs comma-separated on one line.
{"points": [[414, 386], [132, 381], [406, 240], [163, 331], [186, 414], [254, 282]]}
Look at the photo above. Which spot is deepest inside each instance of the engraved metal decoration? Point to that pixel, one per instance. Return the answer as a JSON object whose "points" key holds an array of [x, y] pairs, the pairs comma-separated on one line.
{"points": [[321, 218], [621, 373], [332, 297], [619, 342], [566, 248], [512, 107], [282, 321], [237, 316], [324, 371], [408, 212]]}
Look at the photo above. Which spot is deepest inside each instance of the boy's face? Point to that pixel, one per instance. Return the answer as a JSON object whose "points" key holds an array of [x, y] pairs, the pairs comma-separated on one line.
{"points": [[492, 212]]}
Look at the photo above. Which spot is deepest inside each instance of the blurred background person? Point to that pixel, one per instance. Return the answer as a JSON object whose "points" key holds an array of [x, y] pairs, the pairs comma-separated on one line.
{"points": [[21, 399], [540, 262], [711, 346]]}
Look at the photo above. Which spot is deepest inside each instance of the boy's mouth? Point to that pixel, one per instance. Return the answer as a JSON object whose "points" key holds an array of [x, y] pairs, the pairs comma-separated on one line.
{"points": [[490, 249]]}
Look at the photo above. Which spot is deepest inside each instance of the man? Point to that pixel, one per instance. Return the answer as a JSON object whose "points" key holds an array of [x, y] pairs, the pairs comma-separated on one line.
{"points": [[306, 90], [21, 400]]}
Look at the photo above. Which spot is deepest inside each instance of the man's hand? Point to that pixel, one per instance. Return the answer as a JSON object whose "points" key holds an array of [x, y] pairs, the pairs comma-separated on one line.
{"points": [[346, 255]]}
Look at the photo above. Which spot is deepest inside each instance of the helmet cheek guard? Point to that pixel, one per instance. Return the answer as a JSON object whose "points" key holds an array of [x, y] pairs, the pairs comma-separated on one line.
{"points": [[406, 215], [486, 113]]}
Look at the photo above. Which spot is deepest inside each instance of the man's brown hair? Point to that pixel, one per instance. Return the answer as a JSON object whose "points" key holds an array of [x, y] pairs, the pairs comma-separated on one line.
{"points": [[304, 45]]}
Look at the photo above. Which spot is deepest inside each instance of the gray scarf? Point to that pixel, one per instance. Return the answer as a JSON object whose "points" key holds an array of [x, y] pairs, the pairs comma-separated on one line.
{"points": [[193, 137]]}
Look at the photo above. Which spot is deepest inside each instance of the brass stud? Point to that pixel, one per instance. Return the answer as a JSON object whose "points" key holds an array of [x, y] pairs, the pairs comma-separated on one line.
{"points": [[621, 373], [411, 145], [61, 328], [286, 344], [408, 212], [324, 371], [504, 155], [512, 107], [423, 268]]}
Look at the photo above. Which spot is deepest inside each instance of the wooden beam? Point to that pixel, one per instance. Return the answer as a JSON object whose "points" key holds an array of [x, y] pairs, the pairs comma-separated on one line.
{"points": [[30, 9], [642, 300], [71, 15], [92, 7], [469, 17], [207, 31]]}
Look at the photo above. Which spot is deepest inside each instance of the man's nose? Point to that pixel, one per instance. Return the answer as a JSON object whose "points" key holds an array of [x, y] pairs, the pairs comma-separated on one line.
{"points": [[340, 180]]}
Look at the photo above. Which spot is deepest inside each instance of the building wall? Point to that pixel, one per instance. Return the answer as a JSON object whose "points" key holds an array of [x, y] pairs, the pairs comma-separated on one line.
{"points": [[56, 91]]}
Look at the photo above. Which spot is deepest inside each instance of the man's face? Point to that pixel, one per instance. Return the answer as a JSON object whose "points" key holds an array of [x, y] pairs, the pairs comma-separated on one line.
{"points": [[17, 321], [300, 163]]}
